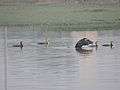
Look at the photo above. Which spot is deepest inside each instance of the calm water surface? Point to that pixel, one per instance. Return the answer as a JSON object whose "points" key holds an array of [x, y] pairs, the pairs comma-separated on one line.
{"points": [[58, 66]]}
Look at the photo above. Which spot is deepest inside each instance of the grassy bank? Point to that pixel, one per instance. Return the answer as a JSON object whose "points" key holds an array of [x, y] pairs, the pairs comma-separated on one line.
{"points": [[62, 17]]}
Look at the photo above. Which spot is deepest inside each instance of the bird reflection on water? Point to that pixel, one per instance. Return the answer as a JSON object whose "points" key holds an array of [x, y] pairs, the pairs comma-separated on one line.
{"points": [[84, 51]]}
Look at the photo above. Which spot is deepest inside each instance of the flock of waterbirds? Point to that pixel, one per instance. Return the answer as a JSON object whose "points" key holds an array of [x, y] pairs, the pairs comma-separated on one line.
{"points": [[81, 44], [86, 44]]}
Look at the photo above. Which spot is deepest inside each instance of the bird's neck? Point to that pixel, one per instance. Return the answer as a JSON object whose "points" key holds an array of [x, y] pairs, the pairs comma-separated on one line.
{"points": [[21, 44], [111, 44]]}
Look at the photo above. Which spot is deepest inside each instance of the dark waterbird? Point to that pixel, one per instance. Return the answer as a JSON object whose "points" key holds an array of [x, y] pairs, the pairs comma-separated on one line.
{"points": [[82, 42], [42, 43], [19, 45], [108, 45]]}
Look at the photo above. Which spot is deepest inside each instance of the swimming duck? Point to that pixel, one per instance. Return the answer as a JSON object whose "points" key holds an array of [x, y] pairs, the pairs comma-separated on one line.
{"points": [[107, 45], [19, 45], [43, 43]]}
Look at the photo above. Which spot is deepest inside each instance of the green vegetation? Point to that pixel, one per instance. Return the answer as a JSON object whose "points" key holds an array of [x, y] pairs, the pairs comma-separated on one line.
{"points": [[62, 17]]}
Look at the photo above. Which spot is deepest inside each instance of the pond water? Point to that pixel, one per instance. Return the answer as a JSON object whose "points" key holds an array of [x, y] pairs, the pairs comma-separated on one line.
{"points": [[58, 66]]}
